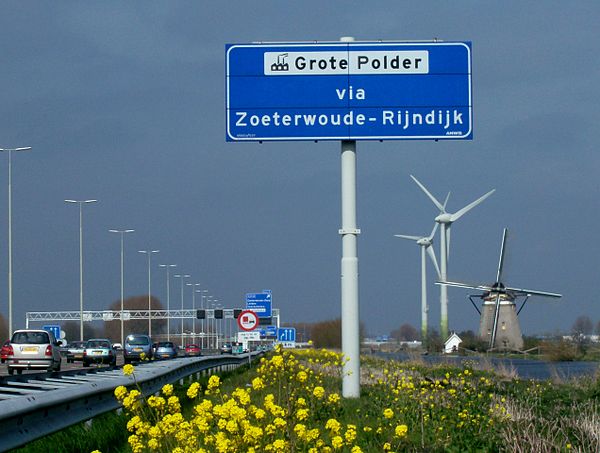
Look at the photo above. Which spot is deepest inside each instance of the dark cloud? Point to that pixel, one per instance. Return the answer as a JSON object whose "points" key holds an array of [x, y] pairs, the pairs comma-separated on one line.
{"points": [[124, 102]]}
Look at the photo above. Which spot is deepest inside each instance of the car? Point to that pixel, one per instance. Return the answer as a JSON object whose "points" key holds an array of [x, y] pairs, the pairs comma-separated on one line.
{"points": [[117, 346], [192, 350], [32, 349], [4, 351], [226, 348], [75, 351], [137, 347], [165, 350], [99, 350]]}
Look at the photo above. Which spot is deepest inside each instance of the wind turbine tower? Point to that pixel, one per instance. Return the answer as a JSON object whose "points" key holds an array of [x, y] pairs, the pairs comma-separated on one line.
{"points": [[445, 219], [425, 243]]}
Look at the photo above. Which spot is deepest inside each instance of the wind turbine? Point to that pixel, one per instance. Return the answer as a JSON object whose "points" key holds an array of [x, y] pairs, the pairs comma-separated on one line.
{"points": [[445, 219], [425, 243]]}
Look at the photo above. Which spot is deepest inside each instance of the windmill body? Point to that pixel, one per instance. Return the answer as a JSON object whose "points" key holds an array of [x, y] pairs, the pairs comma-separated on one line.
{"points": [[508, 335]]}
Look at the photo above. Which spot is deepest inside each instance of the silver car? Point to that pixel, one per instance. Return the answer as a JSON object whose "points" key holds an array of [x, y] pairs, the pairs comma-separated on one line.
{"points": [[137, 347], [33, 349], [165, 350], [75, 351], [99, 350]]}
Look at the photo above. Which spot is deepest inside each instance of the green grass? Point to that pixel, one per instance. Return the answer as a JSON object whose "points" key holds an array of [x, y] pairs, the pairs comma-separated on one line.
{"points": [[108, 432], [499, 412]]}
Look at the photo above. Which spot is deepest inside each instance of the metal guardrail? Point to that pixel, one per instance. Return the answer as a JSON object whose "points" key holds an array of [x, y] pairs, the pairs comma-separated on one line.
{"points": [[43, 405]]}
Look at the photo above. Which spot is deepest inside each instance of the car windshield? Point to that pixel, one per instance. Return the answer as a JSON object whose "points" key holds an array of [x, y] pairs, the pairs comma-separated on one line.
{"points": [[30, 338], [138, 341], [97, 344], [77, 344], [166, 344]]}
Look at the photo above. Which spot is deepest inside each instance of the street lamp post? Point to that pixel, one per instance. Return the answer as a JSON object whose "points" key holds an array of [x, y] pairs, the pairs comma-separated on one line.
{"points": [[182, 276], [194, 291], [219, 323], [202, 297], [81, 203], [167, 267], [149, 255], [214, 306], [122, 234], [10, 279], [208, 324]]}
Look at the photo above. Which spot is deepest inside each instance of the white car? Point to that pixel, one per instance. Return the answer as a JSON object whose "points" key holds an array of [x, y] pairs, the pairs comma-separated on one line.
{"points": [[33, 350]]}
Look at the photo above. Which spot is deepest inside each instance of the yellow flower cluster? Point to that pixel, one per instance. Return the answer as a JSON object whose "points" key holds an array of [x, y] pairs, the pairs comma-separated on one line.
{"points": [[278, 411], [287, 405]]}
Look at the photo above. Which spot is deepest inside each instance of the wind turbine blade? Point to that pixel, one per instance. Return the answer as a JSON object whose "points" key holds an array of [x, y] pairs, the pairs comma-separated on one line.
{"points": [[446, 201], [501, 261], [532, 292], [435, 227], [431, 197], [483, 288], [412, 238], [458, 214], [448, 230], [431, 254]]}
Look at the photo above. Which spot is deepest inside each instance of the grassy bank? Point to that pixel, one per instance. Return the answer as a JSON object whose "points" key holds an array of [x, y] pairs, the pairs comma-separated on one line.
{"points": [[291, 402]]}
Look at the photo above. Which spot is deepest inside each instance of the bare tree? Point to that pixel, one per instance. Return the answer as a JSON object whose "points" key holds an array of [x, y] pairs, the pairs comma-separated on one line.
{"points": [[112, 329], [406, 332], [4, 333], [581, 328], [71, 330], [328, 334]]}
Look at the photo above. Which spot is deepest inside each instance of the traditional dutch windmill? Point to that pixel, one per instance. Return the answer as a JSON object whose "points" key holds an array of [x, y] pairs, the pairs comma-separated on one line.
{"points": [[499, 323]]}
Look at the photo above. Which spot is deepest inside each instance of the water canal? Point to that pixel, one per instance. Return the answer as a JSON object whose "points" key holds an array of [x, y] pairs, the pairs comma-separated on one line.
{"points": [[523, 368]]}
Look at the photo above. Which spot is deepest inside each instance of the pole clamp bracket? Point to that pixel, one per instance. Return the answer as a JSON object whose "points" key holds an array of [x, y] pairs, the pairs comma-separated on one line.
{"points": [[355, 231]]}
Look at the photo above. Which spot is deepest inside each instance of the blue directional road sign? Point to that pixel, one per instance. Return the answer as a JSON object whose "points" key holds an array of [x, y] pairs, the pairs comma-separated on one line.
{"points": [[349, 91], [286, 334], [54, 329], [260, 303], [269, 331]]}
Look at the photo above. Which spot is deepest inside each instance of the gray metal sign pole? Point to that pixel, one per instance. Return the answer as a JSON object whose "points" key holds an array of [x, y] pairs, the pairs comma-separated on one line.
{"points": [[349, 232]]}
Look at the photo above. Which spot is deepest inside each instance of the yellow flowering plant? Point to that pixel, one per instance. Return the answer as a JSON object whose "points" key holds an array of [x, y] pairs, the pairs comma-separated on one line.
{"points": [[290, 401]]}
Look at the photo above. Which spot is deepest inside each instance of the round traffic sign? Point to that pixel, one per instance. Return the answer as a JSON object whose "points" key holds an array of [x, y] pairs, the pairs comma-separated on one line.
{"points": [[247, 320]]}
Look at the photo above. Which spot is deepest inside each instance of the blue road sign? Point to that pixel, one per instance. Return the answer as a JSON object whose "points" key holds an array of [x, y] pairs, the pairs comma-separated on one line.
{"points": [[270, 331], [349, 91], [286, 334], [260, 303], [54, 329]]}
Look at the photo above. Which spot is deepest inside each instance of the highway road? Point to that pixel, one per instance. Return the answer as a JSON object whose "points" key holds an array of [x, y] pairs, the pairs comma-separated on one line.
{"points": [[75, 365]]}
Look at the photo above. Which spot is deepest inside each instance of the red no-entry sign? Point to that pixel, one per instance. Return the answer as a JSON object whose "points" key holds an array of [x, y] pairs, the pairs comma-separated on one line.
{"points": [[248, 320]]}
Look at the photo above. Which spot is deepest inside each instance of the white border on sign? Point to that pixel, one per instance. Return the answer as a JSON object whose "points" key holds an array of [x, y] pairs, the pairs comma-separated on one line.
{"points": [[247, 312], [353, 137]]}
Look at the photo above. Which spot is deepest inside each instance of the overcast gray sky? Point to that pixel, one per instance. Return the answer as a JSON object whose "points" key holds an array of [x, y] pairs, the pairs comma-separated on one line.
{"points": [[124, 102]]}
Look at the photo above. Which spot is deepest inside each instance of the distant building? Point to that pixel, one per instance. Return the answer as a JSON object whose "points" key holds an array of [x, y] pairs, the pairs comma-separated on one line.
{"points": [[452, 343]]}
